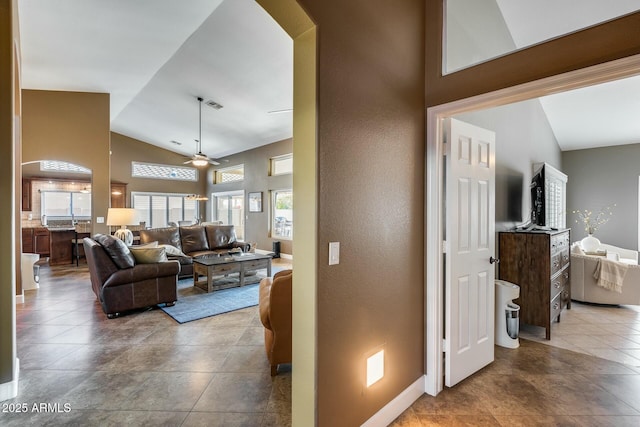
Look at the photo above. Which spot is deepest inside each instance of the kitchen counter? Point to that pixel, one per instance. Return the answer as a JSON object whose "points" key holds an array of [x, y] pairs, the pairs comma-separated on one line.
{"points": [[62, 248]]}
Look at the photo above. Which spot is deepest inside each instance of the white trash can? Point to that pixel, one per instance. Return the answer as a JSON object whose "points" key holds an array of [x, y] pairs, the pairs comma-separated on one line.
{"points": [[30, 271], [507, 319]]}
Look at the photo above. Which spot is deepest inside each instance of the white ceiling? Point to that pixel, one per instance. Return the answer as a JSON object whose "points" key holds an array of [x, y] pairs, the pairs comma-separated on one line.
{"points": [[596, 116], [156, 56]]}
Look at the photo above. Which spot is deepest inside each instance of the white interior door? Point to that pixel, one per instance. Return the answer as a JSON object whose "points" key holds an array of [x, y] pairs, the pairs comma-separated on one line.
{"points": [[470, 236]]}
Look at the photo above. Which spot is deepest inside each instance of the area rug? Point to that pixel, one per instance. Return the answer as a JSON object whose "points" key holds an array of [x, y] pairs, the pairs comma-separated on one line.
{"points": [[194, 303]]}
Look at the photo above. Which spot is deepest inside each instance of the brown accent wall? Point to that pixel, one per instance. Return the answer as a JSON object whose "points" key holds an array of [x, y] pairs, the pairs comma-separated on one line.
{"points": [[371, 138], [124, 150], [73, 127], [256, 178]]}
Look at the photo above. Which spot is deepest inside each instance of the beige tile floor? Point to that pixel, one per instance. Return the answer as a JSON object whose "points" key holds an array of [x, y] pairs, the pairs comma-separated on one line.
{"points": [[143, 368], [609, 332]]}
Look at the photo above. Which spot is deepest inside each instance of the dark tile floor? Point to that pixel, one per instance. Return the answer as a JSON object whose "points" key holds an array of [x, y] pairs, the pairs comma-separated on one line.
{"points": [[536, 385], [140, 369], [146, 369]]}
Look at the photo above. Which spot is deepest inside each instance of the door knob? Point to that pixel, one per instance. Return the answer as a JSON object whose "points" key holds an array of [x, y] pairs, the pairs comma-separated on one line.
{"points": [[493, 260]]}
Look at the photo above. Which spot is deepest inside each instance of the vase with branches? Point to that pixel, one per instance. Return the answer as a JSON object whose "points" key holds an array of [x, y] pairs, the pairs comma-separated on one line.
{"points": [[592, 222]]}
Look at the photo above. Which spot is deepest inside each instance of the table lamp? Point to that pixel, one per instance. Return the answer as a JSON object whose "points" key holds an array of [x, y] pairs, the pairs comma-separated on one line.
{"points": [[122, 217]]}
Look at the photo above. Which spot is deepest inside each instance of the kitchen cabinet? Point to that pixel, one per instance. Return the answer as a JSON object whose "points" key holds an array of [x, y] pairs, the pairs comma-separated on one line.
{"points": [[26, 194], [41, 241], [27, 240], [118, 195]]}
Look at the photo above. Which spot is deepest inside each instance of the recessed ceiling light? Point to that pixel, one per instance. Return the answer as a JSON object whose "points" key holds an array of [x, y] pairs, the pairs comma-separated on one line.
{"points": [[175, 142]]}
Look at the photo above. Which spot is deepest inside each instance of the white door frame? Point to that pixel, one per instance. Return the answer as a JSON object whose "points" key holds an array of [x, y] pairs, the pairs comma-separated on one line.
{"points": [[434, 273]]}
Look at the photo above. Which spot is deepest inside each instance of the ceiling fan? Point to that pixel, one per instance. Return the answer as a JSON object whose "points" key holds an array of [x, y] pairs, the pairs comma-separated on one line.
{"points": [[200, 159]]}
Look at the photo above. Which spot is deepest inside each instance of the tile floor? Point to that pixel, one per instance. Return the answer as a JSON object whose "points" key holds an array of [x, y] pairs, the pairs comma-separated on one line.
{"points": [[145, 369], [588, 374], [609, 332], [140, 369]]}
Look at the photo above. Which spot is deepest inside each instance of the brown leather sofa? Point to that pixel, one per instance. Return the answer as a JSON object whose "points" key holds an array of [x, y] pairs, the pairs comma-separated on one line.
{"points": [[120, 284], [275, 315], [194, 241]]}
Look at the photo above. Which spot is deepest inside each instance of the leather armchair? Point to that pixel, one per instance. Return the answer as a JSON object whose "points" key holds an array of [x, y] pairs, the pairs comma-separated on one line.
{"points": [[275, 315]]}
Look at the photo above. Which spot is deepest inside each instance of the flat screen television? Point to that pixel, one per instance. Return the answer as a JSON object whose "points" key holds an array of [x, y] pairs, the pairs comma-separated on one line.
{"points": [[538, 209]]}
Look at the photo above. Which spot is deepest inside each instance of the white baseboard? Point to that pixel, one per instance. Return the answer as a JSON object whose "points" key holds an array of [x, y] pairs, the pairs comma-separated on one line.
{"points": [[286, 256], [20, 299], [9, 390], [397, 406]]}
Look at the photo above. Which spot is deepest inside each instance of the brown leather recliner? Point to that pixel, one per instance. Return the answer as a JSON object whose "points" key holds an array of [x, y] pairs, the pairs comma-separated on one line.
{"points": [[120, 284], [275, 314]]}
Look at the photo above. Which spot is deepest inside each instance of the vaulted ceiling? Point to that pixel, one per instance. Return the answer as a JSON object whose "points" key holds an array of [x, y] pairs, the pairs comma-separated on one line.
{"points": [[155, 57]]}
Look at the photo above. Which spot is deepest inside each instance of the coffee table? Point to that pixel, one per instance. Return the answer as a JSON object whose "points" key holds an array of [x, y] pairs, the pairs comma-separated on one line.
{"points": [[228, 264]]}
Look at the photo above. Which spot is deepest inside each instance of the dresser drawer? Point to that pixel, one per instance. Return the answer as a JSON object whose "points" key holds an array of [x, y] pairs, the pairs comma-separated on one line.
{"points": [[558, 283], [556, 307]]}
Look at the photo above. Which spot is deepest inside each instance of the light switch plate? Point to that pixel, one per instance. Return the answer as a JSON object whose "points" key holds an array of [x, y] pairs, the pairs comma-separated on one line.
{"points": [[100, 220], [334, 253]]}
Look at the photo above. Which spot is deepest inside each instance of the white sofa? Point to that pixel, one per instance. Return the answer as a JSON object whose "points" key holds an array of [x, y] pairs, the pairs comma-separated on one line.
{"points": [[583, 284]]}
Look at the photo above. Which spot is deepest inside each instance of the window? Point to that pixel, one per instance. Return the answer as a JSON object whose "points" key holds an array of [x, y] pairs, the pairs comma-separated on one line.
{"points": [[555, 189], [66, 204], [282, 214], [57, 166], [158, 210], [282, 165], [231, 174], [151, 170], [228, 207]]}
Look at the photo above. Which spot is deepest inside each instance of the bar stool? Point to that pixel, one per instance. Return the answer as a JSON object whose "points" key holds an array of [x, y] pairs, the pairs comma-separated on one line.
{"points": [[76, 245]]}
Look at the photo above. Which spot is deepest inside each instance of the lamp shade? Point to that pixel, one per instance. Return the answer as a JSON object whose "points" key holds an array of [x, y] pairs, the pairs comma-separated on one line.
{"points": [[122, 216]]}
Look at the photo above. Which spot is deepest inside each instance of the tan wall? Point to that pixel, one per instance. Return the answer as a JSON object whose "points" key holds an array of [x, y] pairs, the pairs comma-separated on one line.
{"points": [[72, 127], [8, 164], [124, 150], [371, 137], [256, 178]]}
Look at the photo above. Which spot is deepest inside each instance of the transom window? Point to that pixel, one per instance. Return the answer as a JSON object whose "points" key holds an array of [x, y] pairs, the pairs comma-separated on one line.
{"points": [[230, 174], [282, 165], [156, 171], [57, 166], [158, 210]]}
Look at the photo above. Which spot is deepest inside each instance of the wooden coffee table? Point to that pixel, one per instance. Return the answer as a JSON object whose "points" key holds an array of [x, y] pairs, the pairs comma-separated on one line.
{"points": [[224, 265]]}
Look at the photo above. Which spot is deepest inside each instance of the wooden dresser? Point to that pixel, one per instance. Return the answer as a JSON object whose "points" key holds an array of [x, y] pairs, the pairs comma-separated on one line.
{"points": [[538, 262]]}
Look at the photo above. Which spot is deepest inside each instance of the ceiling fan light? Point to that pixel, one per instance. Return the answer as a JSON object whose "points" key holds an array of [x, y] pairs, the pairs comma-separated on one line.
{"points": [[199, 162]]}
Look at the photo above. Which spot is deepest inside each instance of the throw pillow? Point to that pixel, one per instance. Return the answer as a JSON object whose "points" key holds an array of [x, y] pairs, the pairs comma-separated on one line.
{"points": [[172, 250], [576, 249], [148, 245], [117, 250], [149, 255]]}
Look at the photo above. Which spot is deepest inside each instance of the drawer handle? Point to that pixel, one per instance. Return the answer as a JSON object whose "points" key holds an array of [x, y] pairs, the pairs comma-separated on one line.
{"points": [[556, 306], [556, 264], [565, 257], [557, 285], [566, 275]]}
